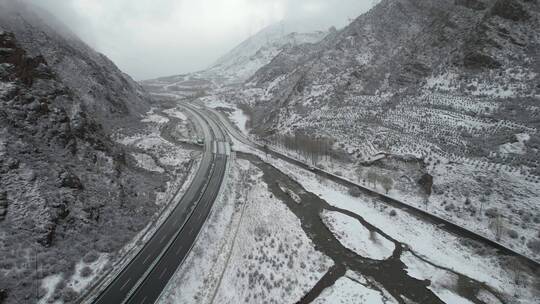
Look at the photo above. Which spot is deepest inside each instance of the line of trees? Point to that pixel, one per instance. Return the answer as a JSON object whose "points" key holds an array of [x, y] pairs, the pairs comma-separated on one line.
{"points": [[373, 178], [313, 149]]}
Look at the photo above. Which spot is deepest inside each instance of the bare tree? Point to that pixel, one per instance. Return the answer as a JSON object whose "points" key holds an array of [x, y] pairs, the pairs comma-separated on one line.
{"points": [[497, 225], [373, 236], [372, 178], [387, 183]]}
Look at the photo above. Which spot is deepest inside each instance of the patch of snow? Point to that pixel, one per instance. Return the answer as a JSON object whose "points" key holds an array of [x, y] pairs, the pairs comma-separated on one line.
{"points": [[79, 282], [515, 147], [251, 249], [450, 297], [5, 87], [348, 291], [444, 82], [240, 119], [49, 284], [175, 112], [364, 57], [353, 235], [152, 117], [487, 297], [146, 162]]}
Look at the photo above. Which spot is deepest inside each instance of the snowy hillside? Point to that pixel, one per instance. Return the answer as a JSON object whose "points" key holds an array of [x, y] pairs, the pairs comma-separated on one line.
{"points": [[71, 197], [100, 85], [440, 96], [258, 50]]}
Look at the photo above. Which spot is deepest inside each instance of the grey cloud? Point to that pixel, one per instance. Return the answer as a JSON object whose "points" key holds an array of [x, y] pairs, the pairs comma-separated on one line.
{"points": [[152, 38]]}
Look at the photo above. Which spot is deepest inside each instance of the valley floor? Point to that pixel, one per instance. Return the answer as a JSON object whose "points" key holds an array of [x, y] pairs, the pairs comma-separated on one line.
{"points": [[281, 234]]}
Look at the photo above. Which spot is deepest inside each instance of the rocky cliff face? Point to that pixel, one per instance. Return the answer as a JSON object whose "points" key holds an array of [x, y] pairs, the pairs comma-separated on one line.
{"points": [[98, 84], [66, 189], [455, 84]]}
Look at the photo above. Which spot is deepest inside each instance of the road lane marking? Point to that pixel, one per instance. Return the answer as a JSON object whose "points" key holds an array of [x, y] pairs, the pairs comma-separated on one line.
{"points": [[163, 239], [161, 275], [144, 300], [144, 262], [179, 249], [125, 284]]}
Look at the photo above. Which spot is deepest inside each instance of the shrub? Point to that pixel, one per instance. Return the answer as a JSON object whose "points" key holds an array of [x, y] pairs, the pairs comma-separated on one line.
{"points": [[513, 234], [69, 295], [492, 212], [90, 257], [86, 272], [393, 213], [354, 191], [534, 246]]}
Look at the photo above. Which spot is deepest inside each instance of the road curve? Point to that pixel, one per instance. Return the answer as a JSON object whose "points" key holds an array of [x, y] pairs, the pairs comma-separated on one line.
{"points": [[147, 274]]}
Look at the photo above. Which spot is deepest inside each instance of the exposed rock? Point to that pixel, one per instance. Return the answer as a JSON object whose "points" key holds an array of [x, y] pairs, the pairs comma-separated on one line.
{"points": [[510, 9], [47, 235], [26, 69], [3, 205], [3, 295], [12, 163], [62, 209], [472, 4], [67, 179], [477, 60]]}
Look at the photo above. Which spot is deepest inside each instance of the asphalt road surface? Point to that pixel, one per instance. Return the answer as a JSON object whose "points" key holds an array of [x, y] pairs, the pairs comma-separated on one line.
{"points": [[144, 278]]}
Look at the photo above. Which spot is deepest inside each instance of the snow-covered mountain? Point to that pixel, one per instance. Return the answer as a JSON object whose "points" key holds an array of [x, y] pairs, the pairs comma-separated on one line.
{"points": [[413, 87], [239, 64], [65, 185], [258, 50]]}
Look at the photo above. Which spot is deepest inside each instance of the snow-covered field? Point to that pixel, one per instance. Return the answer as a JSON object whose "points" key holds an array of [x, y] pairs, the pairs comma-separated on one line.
{"points": [[354, 289], [356, 237], [251, 250], [435, 246], [238, 117], [473, 198]]}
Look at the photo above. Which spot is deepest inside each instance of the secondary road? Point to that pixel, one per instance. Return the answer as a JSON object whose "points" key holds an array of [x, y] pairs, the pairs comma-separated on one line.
{"points": [[144, 278]]}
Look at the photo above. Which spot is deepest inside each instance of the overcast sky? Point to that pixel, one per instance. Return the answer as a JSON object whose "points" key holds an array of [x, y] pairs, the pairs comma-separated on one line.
{"points": [[152, 38]]}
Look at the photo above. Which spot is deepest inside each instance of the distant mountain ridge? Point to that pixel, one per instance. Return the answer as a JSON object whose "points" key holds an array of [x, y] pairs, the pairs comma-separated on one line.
{"points": [[238, 65], [258, 50]]}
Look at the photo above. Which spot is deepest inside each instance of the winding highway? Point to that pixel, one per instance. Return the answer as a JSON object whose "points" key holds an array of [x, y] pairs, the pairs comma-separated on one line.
{"points": [[147, 274]]}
